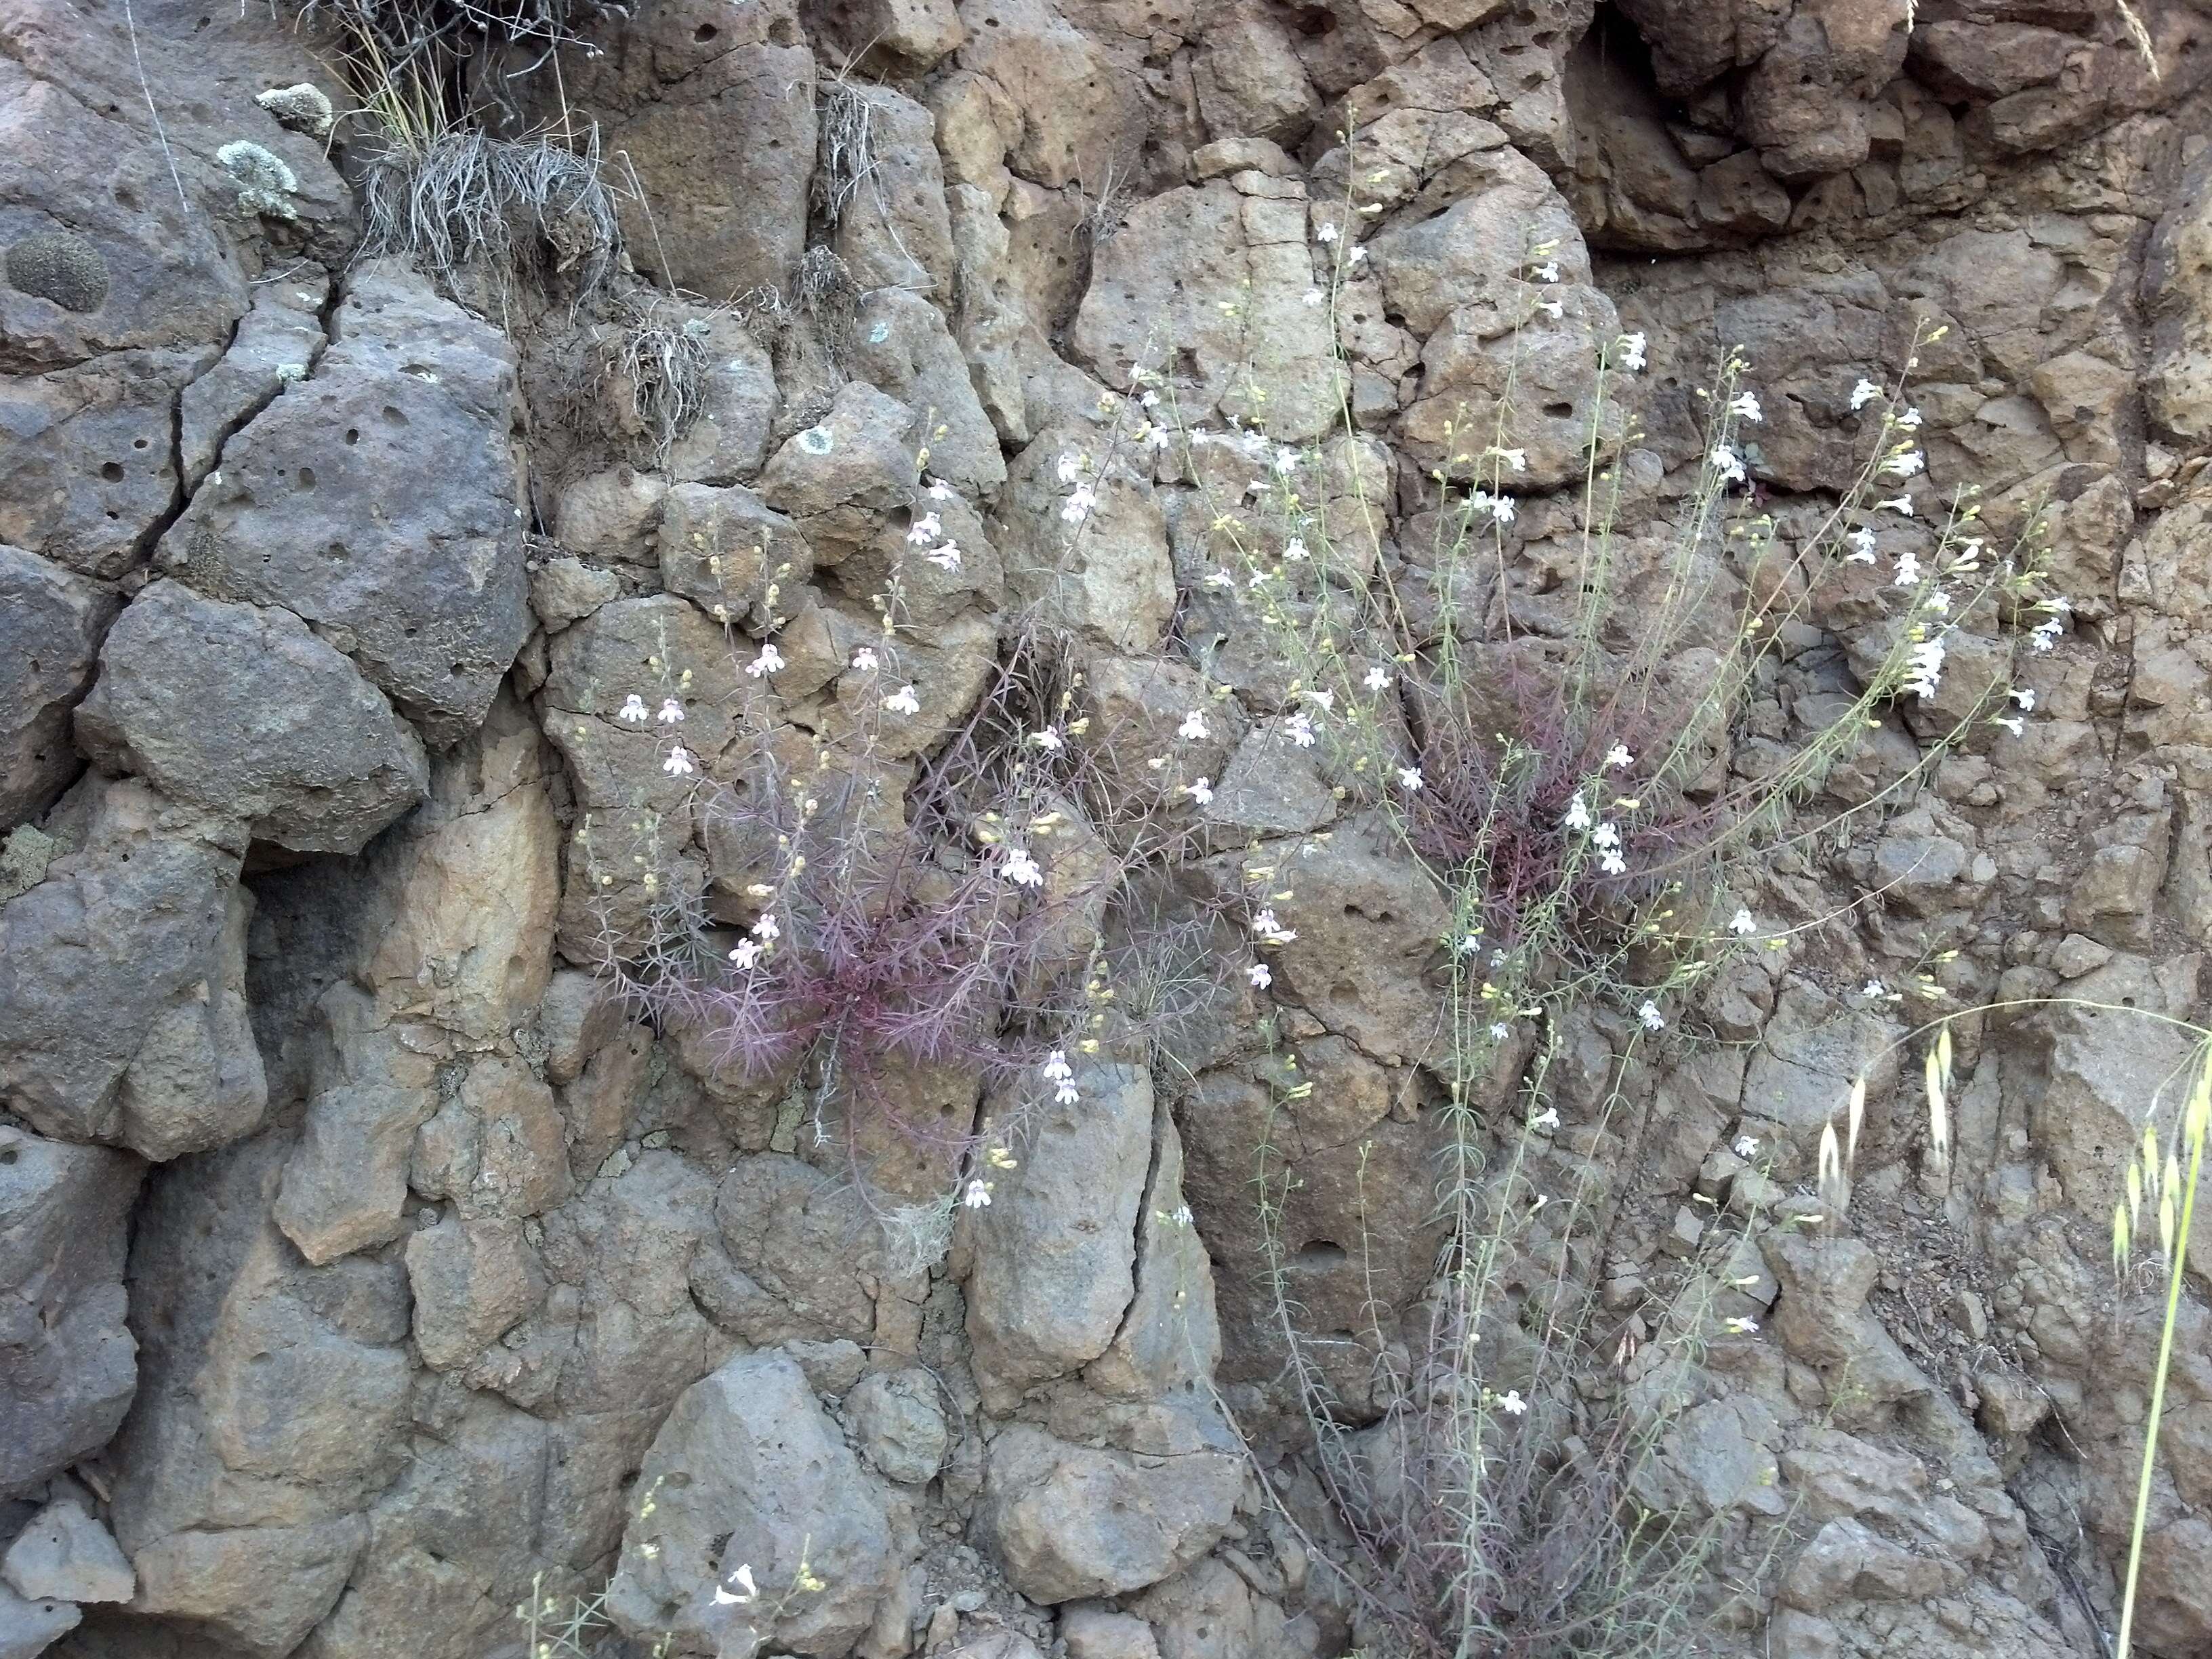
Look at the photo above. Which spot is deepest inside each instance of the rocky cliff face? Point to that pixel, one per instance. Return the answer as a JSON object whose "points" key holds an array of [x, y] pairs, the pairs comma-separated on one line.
{"points": [[368, 1266]]}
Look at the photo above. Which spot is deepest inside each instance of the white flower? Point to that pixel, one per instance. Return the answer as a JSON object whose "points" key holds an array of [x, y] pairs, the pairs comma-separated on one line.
{"points": [[1546, 272], [977, 1195], [946, 557], [671, 712], [1070, 466], [1158, 437], [746, 1590], [1500, 507], [1314, 296], [865, 660], [1049, 740], [1021, 869], [1219, 578], [1744, 1327], [1378, 681], [1301, 730], [2044, 634], [1193, 727], [1897, 504], [903, 702], [1938, 601], [769, 660], [2024, 697], [1511, 1403], [1080, 500], [1862, 541], [1745, 407], [1150, 400], [1745, 1145], [1607, 835], [1864, 393], [678, 763], [1741, 923], [1499, 1033], [1618, 755], [1546, 1120], [1323, 700], [1909, 420], [1927, 667], [1202, 791], [1551, 309], [1355, 256], [1632, 352], [1327, 232], [748, 952], [926, 529], [1260, 977], [633, 710], [2012, 723], [1266, 927], [1056, 1068], [1872, 989], [1908, 569], [939, 490], [1650, 1017], [1515, 458], [1729, 464], [1612, 864], [766, 929], [1905, 465], [1409, 780], [1295, 552], [1578, 816]]}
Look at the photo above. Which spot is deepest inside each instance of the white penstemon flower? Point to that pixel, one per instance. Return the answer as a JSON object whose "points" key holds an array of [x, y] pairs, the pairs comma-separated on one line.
{"points": [[904, 700], [1058, 1073], [1260, 977], [1904, 464], [1862, 541], [1728, 463], [769, 661], [1500, 507], [1200, 791], [1019, 868], [1511, 1403], [2024, 697], [746, 1589], [1863, 393], [1578, 814], [671, 712], [1300, 729], [1377, 680], [1618, 755], [927, 528], [679, 763], [864, 659], [1080, 501], [1745, 1145], [633, 710], [1741, 923], [1294, 551], [1193, 728], [1925, 668], [1632, 352], [945, 557], [1267, 928], [1650, 1017], [976, 1195], [1745, 407], [748, 954], [1409, 780], [1908, 569]]}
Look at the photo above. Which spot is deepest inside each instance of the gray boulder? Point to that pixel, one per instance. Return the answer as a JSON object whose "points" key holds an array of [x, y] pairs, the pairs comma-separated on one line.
{"points": [[378, 499], [50, 621], [29, 1628], [899, 1425], [147, 1046], [1068, 1520], [64, 1555], [67, 1364], [283, 731], [748, 1472], [1055, 1255]]}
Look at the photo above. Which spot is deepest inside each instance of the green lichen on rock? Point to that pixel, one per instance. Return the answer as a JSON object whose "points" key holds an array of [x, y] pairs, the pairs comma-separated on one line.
{"points": [[303, 107], [59, 265], [265, 182], [24, 855]]}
